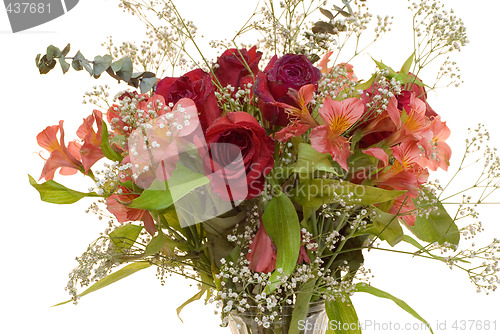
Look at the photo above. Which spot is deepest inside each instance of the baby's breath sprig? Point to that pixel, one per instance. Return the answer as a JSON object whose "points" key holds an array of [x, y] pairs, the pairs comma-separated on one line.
{"points": [[94, 264], [99, 96], [436, 32]]}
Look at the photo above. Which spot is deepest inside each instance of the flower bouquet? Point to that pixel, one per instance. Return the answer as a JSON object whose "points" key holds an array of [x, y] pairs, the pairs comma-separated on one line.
{"points": [[264, 175]]}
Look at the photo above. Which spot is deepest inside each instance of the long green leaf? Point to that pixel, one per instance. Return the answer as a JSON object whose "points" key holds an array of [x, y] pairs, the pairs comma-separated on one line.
{"points": [[383, 66], [301, 305], [53, 192], [205, 288], [367, 84], [438, 226], [323, 191], [407, 65], [182, 181], [386, 226], [342, 316], [156, 244], [282, 225], [196, 297], [105, 147], [362, 287], [112, 278]]}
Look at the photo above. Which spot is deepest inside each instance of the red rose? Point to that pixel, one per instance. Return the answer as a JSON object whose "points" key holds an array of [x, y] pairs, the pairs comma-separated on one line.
{"points": [[234, 134], [197, 86], [233, 67], [288, 72]]}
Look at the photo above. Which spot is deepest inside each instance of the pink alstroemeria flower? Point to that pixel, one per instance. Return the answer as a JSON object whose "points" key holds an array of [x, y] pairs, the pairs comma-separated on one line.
{"points": [[165, 133], [404, 174], [66, 158], [348, 68], [338, 117], [301, 119], [437, 152], [412, 125]]}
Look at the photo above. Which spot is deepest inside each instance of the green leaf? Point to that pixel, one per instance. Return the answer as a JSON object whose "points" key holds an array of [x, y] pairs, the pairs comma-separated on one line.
{"points": [[282, 225], [363, 287], [45, 65], [407, 65], [342, 316], [123, 68], [101, 64], [196, 297], [383, 66], [64, 65], [317, 192], [147, 84], [309, 160], [346, 3], [386, 226], [112, 278], [301, 305], [77, 61], [365, 85], [341, 11], [105, 147], [53, 192], [125, 236], [53, 52], [438, 226], [182, 181], [65, 51], [156, 244], [117, 65], [327, 13], [86, 65], [206, 284], [323, 27]]}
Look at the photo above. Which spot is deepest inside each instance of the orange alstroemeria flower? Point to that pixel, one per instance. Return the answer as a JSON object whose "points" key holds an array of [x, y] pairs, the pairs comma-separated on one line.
{"points": [[66, 158], [404, 174], [437, 152], [338, 117], [300, 118], [90, 151]]}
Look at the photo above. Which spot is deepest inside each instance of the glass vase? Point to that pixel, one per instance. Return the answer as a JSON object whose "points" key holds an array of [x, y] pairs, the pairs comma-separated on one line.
{"points": [[315, 322]]}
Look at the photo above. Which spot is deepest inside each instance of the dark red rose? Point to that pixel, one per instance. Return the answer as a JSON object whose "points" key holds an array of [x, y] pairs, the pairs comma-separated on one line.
{"points": [[130, 95], [241, 153], [197, 86], [288, 72], [233, 67]]}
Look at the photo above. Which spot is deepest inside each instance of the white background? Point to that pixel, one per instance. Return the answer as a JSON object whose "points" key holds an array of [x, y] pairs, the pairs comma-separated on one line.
{"points": [[40, 241]]}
